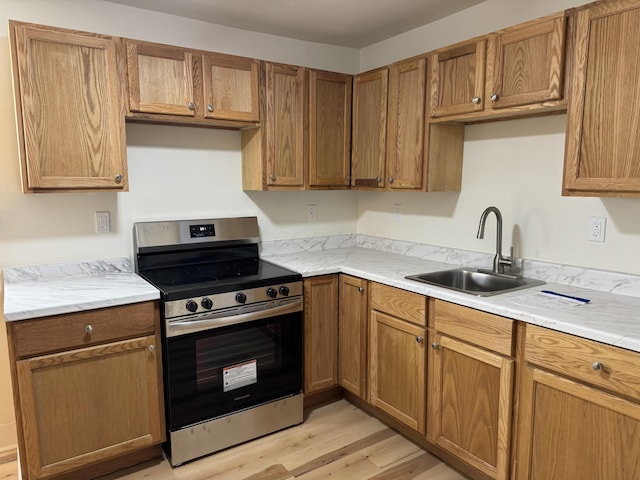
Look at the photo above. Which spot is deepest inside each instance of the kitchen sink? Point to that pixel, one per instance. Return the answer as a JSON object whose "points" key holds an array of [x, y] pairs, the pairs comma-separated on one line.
{"points": [[474, 281]]}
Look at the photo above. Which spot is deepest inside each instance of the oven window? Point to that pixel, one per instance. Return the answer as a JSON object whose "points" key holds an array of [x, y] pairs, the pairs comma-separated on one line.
{"points": [[233, 358]]}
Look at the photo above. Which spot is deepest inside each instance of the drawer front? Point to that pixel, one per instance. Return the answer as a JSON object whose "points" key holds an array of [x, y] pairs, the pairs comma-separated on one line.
{"points": [[611, 368], [82, 329], [399, 303], [479, 328]]}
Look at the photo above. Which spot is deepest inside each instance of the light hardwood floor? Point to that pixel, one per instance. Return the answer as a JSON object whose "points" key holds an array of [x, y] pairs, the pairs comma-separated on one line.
{"points": [[337, 441]]}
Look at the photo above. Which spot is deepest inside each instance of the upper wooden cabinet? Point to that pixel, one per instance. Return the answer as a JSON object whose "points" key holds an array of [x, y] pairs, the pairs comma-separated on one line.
{"points": [[200, 87], [512, 72], [273, 154], [579, 411], [67, 87], [329, 159], [601, 149], [369, 129]]}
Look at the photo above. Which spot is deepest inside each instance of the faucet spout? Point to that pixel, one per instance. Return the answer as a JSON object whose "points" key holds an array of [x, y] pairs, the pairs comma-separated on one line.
{"points": [[499, 261]]}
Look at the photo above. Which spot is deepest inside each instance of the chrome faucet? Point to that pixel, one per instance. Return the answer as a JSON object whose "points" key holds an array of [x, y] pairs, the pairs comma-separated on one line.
{"points": [[499, 261]]}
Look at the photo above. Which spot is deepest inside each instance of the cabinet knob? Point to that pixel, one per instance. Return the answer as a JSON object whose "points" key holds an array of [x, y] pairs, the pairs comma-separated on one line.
{"points": [[378, 179], [191, 106], [152, 348], [272, 177], [435, 345], [348, 178], [390, 179], [117, 178], [360, 289], [475, 100], [419, 339], [494, 97], [209, 108], [597, 366], [88, 328]]}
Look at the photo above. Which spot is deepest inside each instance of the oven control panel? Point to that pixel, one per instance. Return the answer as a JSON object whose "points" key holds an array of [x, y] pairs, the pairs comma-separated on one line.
{"points": [[218, 301]]}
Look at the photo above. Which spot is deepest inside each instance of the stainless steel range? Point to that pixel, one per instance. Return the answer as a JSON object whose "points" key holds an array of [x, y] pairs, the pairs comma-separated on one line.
{"points": [[232, 333]]}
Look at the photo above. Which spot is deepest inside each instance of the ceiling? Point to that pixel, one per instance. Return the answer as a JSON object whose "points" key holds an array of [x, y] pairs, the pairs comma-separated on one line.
{"points": [[349, 23]]}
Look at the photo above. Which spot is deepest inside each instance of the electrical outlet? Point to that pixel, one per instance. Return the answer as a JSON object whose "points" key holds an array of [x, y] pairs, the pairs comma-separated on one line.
{"points": [[312, 213], [397, 210], [598, 227], [102, 222]]}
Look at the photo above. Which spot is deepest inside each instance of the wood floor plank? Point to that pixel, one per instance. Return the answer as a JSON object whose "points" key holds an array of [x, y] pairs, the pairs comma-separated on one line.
{"points": [[391, 450], [274, 472], [410, 468]]}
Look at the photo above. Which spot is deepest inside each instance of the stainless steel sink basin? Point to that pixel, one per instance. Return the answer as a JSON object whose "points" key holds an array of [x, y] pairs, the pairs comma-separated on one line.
{"points": [[474, 281]]}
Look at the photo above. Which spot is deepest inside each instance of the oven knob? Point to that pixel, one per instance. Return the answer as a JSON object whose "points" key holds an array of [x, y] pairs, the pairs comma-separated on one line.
{"points": [[271, 292], [284, 290], [206, 303], [191, 306], [241, 297]]}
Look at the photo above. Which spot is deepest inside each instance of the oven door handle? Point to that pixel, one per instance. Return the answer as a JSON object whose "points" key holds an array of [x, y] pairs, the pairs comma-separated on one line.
{"points": [[183, 327]]}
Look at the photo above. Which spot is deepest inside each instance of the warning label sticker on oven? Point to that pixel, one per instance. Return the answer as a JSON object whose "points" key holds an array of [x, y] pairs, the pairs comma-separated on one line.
{"points": [[239, 375]]}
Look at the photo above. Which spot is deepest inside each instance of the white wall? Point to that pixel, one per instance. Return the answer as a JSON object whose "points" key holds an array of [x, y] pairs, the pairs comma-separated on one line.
{"points": [[174, 172], [515, 165]]}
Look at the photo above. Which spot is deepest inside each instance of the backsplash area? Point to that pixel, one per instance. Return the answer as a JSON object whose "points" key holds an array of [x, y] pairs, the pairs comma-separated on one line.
{"points": [[602, 280]]}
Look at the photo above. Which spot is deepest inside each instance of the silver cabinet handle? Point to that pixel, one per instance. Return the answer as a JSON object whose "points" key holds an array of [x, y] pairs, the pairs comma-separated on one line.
{"points": [[360, 289], [88, 329], [272, 177], [435, 345], [475, 100], [597, 366], [209, 108], [152, 348], [390, 179], [494, 97], [191, 106], [419, 339], [348, 178], [117, 178], [378, 179]]}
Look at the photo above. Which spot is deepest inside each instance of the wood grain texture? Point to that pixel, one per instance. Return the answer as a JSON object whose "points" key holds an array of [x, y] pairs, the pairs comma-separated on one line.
{"points": [[444, 145], [408, 306], [569, 430], [368, 155], [67, 87], [483, 329], [604, 91], [329, 129], [353, 335], [470, 407], [62, 332], [397, 377], [574, 357], [405, 125], [320, 333]]}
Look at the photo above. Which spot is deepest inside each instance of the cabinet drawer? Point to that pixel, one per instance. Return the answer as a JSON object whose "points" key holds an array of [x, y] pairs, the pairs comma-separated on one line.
{"points": [[400, 303], [480, 328], [611, 368], [81, 329]]}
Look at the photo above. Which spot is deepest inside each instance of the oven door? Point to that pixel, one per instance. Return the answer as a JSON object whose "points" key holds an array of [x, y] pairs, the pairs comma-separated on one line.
{"points": [[226, 369]]}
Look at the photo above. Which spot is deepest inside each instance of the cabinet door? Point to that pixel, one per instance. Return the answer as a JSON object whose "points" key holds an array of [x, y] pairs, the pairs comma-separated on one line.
{"points": [[160, 79], [369, 129], [397, 369], [525, 64], [569, 430], [470, 395], [601, 154], [230, 87], [352, 352], [89, 405], [329, 129], [457, 78], [70, 110], [284, 125], [320, 333], [405, 134]]}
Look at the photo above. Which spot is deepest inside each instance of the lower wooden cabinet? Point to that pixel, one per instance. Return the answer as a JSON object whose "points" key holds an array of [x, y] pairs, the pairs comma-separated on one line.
{"points": [[470, 388], [580, 410], [397, 354], [353, 335], [320, 333], [92, 402]]}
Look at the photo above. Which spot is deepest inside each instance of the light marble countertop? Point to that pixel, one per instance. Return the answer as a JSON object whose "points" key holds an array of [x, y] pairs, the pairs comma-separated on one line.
{"points": [[34, 292], [608, 317]]}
